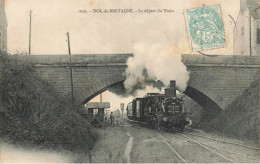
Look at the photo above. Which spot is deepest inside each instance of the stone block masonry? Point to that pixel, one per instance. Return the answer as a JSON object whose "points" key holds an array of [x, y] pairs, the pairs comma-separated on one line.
{"points": [[217, 80], [91, 73], [222, 78]]}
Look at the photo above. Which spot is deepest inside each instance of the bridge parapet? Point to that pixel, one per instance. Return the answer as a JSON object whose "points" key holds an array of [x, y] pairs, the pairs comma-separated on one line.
{"points": [[221, 60], [78, 59]]}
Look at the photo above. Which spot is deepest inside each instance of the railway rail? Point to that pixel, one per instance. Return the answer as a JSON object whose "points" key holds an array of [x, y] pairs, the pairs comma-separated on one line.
{"points": [[218, 151], [207, 147], [232, 152], [175, 152], [224, 141], [200, 144]]}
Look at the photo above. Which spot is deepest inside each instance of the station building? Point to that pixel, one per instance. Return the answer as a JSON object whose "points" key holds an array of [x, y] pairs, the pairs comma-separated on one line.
{"points": [[246, 39]]}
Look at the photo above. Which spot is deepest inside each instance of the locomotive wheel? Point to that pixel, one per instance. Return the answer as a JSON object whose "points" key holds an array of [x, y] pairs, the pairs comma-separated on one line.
{"points": [[181, 129]]}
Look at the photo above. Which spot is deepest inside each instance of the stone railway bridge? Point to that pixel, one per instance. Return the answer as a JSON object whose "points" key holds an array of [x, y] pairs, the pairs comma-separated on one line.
{"points": [[215, 81], [91, 74]]}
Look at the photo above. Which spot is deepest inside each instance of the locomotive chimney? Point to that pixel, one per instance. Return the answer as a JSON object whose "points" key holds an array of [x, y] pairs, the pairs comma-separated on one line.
{"points": [[173, 88]]}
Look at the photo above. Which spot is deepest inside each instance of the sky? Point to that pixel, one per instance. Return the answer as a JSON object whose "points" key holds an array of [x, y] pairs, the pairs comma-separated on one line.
{"points": [[108, 33], [92, 33]]}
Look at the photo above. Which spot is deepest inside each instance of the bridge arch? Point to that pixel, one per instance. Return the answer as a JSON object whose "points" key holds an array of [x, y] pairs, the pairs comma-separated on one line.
{"points": [[207, 103], [203, 100], [102, 90]]}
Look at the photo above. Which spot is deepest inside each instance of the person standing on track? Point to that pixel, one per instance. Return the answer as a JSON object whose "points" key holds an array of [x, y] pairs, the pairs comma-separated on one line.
{"points": [[111, 118]]}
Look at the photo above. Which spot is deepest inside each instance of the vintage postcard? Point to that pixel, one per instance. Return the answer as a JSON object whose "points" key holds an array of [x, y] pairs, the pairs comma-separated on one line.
{"points": [[129, 81]]}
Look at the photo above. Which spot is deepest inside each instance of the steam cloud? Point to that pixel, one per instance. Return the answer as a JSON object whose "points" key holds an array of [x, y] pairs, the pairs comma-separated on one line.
{"points": [[149, 70], [154, 63]]}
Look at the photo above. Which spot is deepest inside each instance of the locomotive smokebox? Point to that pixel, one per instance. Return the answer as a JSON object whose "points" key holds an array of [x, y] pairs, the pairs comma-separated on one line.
{"points": [[173, 88], [167, 92]]}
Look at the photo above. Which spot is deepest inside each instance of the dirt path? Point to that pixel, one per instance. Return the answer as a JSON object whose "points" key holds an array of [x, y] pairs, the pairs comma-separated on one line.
{"points": [[128, 148], [111, 146]]}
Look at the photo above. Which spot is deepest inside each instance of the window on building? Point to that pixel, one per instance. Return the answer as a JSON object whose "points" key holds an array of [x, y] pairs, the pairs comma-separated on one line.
{"points": [[95, 112], [258, 36]]}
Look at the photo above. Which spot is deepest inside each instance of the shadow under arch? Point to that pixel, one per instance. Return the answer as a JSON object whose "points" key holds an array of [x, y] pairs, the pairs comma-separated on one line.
{"points": [[203, 100], [101, 91]]}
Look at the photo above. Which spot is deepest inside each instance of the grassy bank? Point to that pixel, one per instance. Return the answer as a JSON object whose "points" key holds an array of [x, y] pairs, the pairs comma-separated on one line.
{"points": [[241, 119], [32, 114]]}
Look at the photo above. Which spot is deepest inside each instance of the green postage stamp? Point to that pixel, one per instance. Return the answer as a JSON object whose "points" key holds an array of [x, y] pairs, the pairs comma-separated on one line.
{"points": [[205, 28]]}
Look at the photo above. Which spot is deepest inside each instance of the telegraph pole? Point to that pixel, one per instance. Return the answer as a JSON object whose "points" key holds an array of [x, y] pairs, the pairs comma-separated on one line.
{"points": [[30, 32], [71, 78]]}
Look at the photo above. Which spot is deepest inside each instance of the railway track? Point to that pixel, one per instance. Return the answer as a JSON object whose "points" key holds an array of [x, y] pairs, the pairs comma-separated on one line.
{"points": [[209, 149], [224, 141], [185, 159], [232, 152], [206, 147], [171, 147]]}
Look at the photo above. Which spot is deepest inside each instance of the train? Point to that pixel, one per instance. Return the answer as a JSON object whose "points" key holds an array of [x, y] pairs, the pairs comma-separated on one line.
{"points": [[161, 111]]}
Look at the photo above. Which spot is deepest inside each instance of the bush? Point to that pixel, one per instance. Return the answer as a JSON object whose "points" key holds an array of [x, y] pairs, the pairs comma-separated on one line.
{"points": [[31, 112]]}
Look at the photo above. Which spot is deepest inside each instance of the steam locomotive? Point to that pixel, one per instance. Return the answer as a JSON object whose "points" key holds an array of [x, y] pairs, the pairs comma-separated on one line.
{"points": [[161, 111]]}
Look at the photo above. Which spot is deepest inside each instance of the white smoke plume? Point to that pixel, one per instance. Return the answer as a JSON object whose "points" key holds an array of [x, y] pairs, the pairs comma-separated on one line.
{"points": [[154, 62]]}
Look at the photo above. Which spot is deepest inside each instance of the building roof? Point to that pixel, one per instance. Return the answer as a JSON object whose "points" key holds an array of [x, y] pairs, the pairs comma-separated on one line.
{"points": [[98, 105]]}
